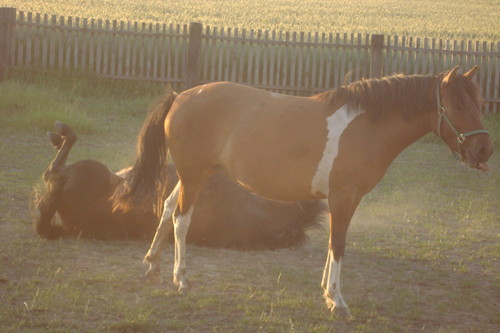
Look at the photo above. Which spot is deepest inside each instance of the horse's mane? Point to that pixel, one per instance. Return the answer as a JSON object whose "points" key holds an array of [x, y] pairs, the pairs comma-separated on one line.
{"points": [[407, 95]]}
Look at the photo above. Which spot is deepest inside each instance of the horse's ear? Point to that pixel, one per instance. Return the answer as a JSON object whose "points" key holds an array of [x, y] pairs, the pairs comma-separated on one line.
{"points": [[470, 74], [451, 75]]}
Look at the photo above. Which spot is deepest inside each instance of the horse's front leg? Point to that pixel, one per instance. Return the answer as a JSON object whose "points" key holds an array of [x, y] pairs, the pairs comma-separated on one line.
{"points": [[161, 237], [341, 210]]}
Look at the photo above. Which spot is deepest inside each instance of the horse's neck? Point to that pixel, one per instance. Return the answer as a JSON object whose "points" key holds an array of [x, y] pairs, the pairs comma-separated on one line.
{"points": [[398, 133]]}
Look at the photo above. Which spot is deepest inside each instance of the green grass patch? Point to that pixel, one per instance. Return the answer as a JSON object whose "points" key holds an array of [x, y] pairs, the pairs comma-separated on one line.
{"points": [[27, 107]]}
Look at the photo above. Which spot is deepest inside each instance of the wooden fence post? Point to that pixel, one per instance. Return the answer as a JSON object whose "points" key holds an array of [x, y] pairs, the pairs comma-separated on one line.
{"points": [[377, 63], [7, 29], [193, 55]]}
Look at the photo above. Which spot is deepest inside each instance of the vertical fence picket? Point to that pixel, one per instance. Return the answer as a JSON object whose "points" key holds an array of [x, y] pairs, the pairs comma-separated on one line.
{"points": [[394, 55], [265, 59], [308, 81], [278, 36], [119, 29], [312, 63], [61, 43], [483, 66], [227, 56], [272, 59], [220, 55], [92, 46], [149, 51], [496, 90], [366, 62], [213, 55], [112, 47], [417, 57], [184, 51], [45, 33], [76, 44], [251, 51], [156, 41], [84, 50], [21, 41], [489, 73], [234, 55], [68, 42], [29, 39], [344, 58], [320, 67], [98, 60], [242, 52]]}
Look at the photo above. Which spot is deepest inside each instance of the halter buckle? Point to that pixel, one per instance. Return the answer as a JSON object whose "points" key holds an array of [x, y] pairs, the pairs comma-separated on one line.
{"points": [[442, 110], [461, 138]]}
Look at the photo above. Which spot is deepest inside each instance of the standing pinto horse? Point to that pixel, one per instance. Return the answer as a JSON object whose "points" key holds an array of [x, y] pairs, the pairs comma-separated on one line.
{"points": [[335, 145]]}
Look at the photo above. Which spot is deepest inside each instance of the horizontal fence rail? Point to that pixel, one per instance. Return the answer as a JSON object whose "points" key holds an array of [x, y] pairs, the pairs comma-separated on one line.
{"points": [[288, 62]]}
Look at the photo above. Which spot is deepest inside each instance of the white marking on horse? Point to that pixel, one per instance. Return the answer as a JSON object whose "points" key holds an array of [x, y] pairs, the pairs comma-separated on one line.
{"points": [[335, 124], [332, 292], [181, 227], [161, 236]]}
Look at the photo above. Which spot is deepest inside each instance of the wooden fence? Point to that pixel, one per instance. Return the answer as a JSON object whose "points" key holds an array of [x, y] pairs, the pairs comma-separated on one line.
{"points": [[183, 56]]}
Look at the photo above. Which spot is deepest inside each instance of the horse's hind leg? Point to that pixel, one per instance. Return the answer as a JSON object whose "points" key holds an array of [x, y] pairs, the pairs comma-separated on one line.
{"points": [[160, 240], [63, 141], [182, 219]]}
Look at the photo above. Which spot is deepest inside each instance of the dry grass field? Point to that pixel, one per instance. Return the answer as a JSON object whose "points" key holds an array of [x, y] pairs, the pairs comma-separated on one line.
{"points": [[449, 19]]}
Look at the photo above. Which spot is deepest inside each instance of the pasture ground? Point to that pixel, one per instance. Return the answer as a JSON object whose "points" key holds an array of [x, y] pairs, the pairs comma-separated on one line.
{"points": [[422, 253]]}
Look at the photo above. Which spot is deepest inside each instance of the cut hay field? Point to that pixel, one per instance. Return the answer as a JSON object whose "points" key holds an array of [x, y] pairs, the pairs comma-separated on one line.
{"points": [[448, 19], [422, 253]]}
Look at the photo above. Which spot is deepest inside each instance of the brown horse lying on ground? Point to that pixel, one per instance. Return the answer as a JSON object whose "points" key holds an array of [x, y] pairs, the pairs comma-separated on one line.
{"points": [[227, 215]]}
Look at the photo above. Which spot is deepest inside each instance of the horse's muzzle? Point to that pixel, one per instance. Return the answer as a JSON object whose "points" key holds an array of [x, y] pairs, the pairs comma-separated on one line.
{"points": [[477, 151]]}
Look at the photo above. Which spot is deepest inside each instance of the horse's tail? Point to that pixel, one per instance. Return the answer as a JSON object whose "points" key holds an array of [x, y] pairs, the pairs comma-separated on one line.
{"points": [[145, 184]]}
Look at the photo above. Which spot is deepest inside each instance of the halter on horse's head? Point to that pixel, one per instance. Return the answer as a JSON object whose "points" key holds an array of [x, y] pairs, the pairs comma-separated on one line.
{"points": [[458, 104]]}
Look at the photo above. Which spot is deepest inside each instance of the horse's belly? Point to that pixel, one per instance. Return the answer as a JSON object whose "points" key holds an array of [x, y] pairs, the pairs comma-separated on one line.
{"points": [[283, 172]]}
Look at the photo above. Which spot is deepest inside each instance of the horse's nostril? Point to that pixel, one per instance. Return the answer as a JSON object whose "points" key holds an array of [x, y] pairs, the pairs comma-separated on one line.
{"points": [[484, 152]]}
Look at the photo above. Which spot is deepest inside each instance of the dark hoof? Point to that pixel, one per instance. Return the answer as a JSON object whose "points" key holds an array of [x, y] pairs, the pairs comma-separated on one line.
{"points": [[65, 131], [55, 139]]}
